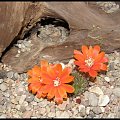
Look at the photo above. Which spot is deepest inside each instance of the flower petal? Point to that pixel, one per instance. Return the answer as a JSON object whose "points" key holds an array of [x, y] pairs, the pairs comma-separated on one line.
{"points": [[51, 72], [84, 50], [96, 50], [104, 60], [51, 93], [44, 63], [96, 66], [77, 63], [62, 91], [46, 79], [84, 69], [46, 88], [34, 87], [103, 67], [58, 69], [77, 52], [40, 93], [79, 57], [33, 80], [35, 71], [67, 79], [92, 73], [66, 71], [99, 57], [68, 88], [58, 97], [90, 51]]}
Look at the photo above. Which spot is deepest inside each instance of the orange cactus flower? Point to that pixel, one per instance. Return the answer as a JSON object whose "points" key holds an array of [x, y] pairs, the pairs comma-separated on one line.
{"points": [[35, 80], [90, 60], [55, 80]]}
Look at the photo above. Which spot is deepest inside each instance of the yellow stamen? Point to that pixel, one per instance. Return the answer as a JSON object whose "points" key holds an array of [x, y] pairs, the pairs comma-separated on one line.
{"points": [[89, 62], [57, 81]]}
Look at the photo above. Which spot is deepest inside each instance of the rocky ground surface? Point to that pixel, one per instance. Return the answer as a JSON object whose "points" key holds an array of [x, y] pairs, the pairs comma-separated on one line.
{"points": [[100, 100]]}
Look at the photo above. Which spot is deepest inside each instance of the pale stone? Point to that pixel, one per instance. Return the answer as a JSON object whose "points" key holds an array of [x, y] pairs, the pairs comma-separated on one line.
{"points": [[3, 87], [116, 91], [27, 114], [102, 109], [81, 107], [107, 79], [103, 100], [93, 99], [51, 114], [96, 90], [63, 65], [22, 98], [88, 110], [63, 105], [64, 115]]}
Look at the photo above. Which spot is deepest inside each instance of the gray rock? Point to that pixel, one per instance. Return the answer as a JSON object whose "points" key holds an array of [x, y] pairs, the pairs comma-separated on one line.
{"points": [[88, 110], [62, 106], [96, 90], [42, 111], [116, 91], [22, 98], [91, 114], [29, 97], [82, 110], [103, 100], [111, 66], [14, 101], [51, 114], [16, 76], [97, 110], [10, 74], [1, 80], [111, 115], [64, 115], [43, 103], [1, 97], [3, 116], [22, 108], [3, 87], [93, 99], [27, 114], [17, 107], [107, 79], [6, 94]]}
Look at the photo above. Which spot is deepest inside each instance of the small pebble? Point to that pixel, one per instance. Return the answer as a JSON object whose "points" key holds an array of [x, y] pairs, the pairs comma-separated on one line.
{"points": [[22, 98], [107, 79], [3, 87], [103, 100], [1, 80]]}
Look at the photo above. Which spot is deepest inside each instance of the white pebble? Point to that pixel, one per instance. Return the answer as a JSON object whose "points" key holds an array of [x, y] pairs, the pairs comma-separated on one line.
{"points": [[81, 107], [3, 87], [1, 80], [96, 90], [22, 98], [107, 79], [103, 100], [88, 110], [63, 65], [102, 109]]}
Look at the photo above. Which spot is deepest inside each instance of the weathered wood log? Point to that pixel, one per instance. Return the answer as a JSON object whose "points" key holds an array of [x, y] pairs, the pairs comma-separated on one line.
{"points": [[81, 18], [11, 18]]}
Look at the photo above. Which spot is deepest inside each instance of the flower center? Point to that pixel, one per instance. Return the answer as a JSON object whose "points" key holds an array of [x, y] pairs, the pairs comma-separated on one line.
{"points": [[57, 81], [89, 62]]}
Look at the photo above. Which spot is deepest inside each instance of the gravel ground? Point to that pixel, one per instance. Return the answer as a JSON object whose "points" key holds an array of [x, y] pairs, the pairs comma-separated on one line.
{"points": [[100, 100]]}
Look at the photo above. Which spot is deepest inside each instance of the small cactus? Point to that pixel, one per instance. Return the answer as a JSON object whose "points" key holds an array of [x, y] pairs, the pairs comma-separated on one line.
{"points": [[80, 83]]}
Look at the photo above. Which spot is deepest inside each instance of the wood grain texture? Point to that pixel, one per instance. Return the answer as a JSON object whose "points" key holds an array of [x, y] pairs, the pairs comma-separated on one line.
{"points": [[88, 25]]}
